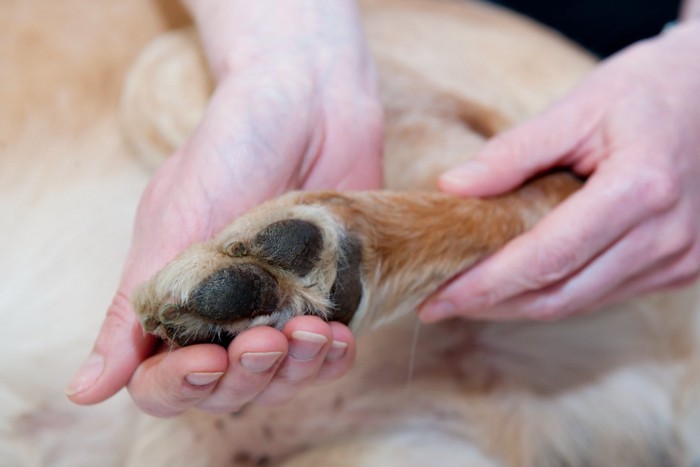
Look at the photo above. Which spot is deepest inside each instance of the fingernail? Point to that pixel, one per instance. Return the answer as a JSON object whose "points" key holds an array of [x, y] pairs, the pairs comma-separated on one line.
{"points": [[203, 378], [87, 375], [464, 174], [306, 345], [259, 362], [435, 311], [337, 351]]}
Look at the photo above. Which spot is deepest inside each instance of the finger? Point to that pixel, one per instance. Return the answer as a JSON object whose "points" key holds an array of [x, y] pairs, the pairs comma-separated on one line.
{"points": [[651, 249], [341, 353], [309, 341], [120, 347], [514, 156], [254, 357], [171, 382], [646, 249], [680, 271], [656, 254], [613, 201]]}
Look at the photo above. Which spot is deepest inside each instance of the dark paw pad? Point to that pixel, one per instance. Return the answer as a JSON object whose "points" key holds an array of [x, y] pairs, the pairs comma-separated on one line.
{"points": [[241, 291], [294, 245], [346, 292]]}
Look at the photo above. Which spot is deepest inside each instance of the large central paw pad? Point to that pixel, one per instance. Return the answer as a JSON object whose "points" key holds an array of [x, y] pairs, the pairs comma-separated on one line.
{"points": [[286, 268]]}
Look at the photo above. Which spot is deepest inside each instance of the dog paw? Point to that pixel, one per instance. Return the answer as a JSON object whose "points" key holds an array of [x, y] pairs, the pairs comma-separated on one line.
{"points": [[280, 261]]}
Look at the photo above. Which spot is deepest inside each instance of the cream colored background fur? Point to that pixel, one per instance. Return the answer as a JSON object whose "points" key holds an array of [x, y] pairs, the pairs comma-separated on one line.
{"points": [[616, 388]]}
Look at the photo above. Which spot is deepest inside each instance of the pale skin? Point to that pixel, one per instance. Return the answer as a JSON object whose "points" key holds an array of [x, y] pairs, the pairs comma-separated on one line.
{"points": [[633, 128], [295, 107]]}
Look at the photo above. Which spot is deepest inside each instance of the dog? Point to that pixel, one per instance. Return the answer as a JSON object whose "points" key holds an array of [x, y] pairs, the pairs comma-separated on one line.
{"points": [[81, 130]]}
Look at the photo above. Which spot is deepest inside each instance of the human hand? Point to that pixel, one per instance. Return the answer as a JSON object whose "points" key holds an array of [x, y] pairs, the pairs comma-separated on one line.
{"points": [[634, 127], [295, 107]]}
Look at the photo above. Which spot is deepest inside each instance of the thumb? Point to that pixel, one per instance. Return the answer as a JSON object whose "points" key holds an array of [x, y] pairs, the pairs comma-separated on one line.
{"points": [[120, 347], [511, 158]]}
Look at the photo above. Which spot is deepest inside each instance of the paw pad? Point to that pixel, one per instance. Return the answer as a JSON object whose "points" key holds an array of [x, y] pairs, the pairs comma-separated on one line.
{"points": [[236, 292], [283, 269], [346, 292], [292, 244]]}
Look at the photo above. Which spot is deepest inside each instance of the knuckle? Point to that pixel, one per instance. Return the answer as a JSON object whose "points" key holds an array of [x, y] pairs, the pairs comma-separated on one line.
{"points": [[482, 296], [549, 265], [118, 319], [293, 383], [166, 399], [158, 407], [182, 399], [682, 239], [681, 247], [228, 400], [119, 313], [277, 395], [656, 191], [238, 396], [505, 143]]}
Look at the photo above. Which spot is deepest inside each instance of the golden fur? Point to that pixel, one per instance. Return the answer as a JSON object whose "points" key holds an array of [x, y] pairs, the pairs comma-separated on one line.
{"points": [[410, 243], [616, 387]]}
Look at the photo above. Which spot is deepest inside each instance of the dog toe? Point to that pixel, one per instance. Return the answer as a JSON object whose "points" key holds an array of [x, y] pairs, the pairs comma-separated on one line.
{"points": [[292, 244]]}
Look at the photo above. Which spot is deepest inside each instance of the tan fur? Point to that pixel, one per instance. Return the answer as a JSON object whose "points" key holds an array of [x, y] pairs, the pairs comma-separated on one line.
{"points": [[411, 244], [611, 388]]}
